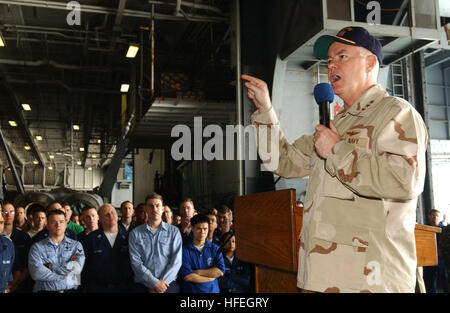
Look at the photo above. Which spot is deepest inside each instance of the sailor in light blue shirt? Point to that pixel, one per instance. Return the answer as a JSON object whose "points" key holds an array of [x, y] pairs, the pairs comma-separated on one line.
{"points": [[155, 250], [55, 263]]}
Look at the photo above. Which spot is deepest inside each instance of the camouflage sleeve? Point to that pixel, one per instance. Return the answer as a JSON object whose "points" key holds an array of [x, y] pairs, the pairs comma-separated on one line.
{"points": [[394, 168], [284, 159]]}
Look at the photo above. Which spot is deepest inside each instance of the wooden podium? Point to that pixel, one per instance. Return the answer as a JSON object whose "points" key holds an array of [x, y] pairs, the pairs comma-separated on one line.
{"points": [[267, 228]]}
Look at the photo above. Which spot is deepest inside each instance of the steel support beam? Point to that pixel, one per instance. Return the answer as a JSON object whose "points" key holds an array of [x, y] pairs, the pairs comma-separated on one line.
{"points": [[419, 96], [437, 58], [17, 108], [16, 177]]}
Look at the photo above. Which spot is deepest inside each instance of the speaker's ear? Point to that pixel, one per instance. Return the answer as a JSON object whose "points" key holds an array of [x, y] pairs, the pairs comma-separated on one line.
{"points": [[371, 62]]}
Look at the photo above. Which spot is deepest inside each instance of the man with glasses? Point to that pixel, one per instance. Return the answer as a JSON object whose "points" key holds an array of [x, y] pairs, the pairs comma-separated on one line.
{"points": [[22, 243]]}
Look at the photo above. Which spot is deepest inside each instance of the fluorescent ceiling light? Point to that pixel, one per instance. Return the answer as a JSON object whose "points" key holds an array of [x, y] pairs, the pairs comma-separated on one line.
{"points": [[12, 123], [38, 137], [99, 141], [94, 156], [132, 51], [35, 162], [51, 156], [81, 149], [76, 127], [89, 168], [26, 107], [124, 88], [27, 147], [79, 163], [50, 168]]}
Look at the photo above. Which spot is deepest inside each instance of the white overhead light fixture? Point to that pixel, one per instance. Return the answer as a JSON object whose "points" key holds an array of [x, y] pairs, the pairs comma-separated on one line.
{"points": [[99, 141], [79, 163], [89, 168], [50, 168], [38, 137], [35, 162], [26, 107], [124, 88], [81, 149], [76, 127], [94, 156], [2, 41], [12, 123], [51, 156], [27, 147], [132, 51]]}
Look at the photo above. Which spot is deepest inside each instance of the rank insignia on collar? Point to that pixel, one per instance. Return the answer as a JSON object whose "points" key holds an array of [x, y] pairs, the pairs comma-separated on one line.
{"points": [[99, 236]]}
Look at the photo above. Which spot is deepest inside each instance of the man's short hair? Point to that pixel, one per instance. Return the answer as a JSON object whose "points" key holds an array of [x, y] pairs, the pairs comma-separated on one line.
{"points": [[123, 203], [55, 212], [88, 208], [434, 211], [7, 202], [199, 218], [187, 200], [35, 208], [153, 196], [51, 204], [210, 212], [224, 210]]}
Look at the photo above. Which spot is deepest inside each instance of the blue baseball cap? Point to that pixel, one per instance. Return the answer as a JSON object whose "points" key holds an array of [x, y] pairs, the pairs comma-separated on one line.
{"points": [[353, 36]]}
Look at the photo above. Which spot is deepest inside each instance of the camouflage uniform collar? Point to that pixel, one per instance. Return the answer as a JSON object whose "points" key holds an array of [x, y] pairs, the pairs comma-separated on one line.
{"points": [[372, 96]]}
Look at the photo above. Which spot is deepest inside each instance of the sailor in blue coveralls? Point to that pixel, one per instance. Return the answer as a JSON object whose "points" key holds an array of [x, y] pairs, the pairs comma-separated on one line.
{"points": [[238, 274], [202, 262], [6, 258], [107, 268]]}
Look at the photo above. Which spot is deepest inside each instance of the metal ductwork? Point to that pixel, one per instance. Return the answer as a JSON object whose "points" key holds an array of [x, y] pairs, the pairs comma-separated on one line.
{"points": [[27, 199], [77, 200], [80, 200]]}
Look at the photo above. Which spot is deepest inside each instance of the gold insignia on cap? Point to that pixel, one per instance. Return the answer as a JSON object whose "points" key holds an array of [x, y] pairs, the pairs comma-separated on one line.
{"points": [[343, 31]]}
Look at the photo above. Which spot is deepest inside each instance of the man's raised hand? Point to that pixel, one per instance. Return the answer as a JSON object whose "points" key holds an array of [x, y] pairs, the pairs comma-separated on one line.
{"points": [[258, 92]]}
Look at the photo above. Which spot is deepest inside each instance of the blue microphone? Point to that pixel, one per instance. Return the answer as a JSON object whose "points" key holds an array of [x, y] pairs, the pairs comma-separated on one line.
{"points": [[323, 93]]}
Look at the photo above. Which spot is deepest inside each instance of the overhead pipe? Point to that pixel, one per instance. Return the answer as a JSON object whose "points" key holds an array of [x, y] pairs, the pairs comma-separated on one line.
{"points": [[113, 11], [60, 66], [179, 3], [177, 8], [63, 85], [16, 177], [14, 28]]}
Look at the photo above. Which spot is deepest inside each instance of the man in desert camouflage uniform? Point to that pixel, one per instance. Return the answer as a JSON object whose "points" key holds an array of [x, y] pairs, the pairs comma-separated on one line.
{"points": [[365, 173]]}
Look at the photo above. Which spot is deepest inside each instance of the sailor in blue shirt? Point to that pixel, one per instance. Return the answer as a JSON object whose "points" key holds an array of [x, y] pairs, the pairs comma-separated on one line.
{"points": [[187, 211], [155, 251], [6, 258], [202, 262], [56, 262], [238, 274], [44, 233], [126, 221], [107, 267]]}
